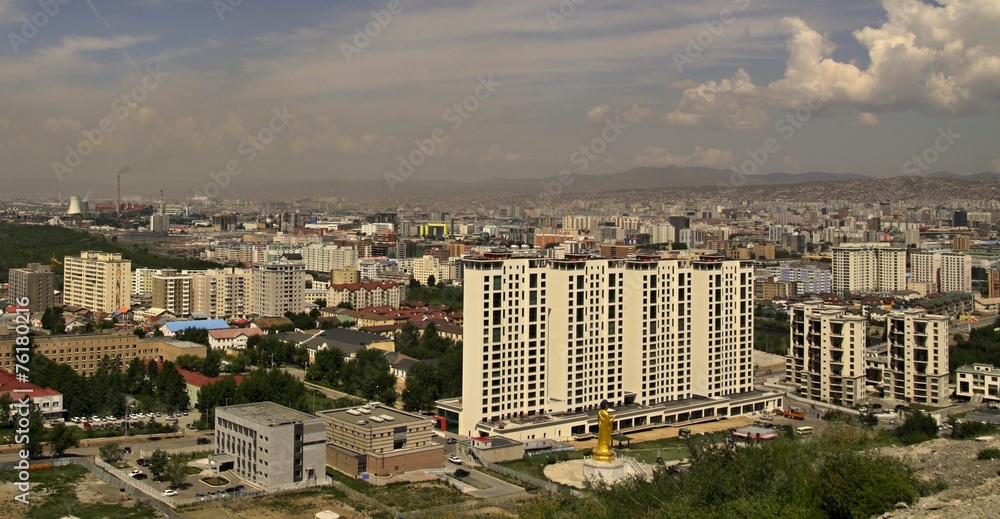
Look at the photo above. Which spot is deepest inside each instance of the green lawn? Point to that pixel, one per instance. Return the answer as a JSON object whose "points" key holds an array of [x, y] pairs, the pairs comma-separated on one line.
{"points": [[53, 495]]}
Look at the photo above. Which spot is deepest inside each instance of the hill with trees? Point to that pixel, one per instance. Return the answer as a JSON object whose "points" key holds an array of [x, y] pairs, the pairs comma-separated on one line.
{"points": [[23, 244]]}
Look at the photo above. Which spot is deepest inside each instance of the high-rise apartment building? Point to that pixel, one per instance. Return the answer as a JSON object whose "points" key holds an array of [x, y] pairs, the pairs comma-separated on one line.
{"points": [[278, 287], [172, 292], [949, 271], [325, 258], [221, 293], [868, 268], [826, 353], [918, 357], [36, 282], [993, 280], [99, 281], [663, 341], [961, 242]]}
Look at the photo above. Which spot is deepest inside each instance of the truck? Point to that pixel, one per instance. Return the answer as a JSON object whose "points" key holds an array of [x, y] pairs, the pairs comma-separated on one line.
{"points": [[795, 413]]}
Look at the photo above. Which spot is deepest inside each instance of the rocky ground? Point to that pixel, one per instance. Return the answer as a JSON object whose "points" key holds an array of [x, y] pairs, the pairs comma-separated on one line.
{"points": [[973, 485]]}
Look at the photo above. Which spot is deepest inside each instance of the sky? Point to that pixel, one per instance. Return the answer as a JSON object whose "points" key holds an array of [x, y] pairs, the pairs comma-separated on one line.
{"points": [[204, 96]]}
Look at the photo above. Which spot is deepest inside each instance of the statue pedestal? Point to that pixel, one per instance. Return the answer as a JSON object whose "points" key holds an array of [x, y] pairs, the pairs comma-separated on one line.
{"points": [[608, 471]]}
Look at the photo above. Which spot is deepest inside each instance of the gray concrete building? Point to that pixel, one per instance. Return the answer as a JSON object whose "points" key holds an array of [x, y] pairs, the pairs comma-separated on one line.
{"points": [[273, 447], [36, 282]]}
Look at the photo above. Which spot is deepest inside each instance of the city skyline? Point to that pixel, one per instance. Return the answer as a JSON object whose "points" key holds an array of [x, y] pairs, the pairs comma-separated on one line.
{"points": [[512, 91]]}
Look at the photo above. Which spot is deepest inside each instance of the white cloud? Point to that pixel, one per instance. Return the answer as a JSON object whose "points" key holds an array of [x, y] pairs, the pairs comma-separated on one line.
{"points": [[731, 104], [935, 58], [707, 158], [62, 124], [636, 114], [597, 113], [867, 120], [496, 154]]}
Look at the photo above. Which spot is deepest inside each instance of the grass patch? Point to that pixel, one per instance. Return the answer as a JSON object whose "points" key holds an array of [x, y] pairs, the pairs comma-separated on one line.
{"points": [[348, 481], [191, 471], [53, 494], [215, 481], [418, 496], [988, 454]]}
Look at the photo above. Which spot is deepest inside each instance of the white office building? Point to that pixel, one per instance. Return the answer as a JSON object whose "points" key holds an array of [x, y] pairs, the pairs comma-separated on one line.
{"points": [[948, 271], [326, 258]]}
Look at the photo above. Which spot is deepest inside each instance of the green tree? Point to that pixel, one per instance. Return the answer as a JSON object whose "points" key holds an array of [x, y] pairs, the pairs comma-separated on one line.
{"points": [[52, 321], [61, 439], [346, 305], [175, 473], [321, 302], [111, 452], [189, 362], [6, 418], [853, 485], [139, 332], [431, 280], [327, 367], [198, 335], [36, 429], [414, 283], [211, 365], [158, 463], [423, 386], [239, 363], [919, 427]]}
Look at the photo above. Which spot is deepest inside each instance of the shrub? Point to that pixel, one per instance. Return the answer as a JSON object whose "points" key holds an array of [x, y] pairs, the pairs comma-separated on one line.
{"points": [[988, 454]]}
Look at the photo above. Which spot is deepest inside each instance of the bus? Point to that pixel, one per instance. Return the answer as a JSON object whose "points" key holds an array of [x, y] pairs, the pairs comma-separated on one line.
{"points": [[804, 430]]}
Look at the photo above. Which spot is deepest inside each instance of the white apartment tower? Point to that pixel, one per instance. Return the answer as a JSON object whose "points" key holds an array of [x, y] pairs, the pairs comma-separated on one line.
{"points": [[278, 287], [868, 268], [222, 293], [559, 336], [949, 271], [826, 354], [324, 258], [99, 281], [918, 357]]}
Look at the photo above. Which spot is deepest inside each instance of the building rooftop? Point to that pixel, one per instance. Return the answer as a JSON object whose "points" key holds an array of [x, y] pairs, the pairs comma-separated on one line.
{"points": [[212, 324], [347, 414], [267, 413]]}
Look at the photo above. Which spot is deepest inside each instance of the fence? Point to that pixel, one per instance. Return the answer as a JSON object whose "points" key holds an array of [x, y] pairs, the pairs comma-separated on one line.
{"points": [[112, 477], [529, 479]]}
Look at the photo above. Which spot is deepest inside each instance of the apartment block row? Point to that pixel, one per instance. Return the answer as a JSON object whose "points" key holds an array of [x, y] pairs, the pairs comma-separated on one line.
{"points": [[829, 358], [546, 341]]}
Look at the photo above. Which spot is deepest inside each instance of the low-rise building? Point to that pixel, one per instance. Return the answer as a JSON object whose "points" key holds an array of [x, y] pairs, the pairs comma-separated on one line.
{"points": [[273, 446], [978, 382], [379, 440], [83, 352], [231, 338], [174, 327], [49, 401]]}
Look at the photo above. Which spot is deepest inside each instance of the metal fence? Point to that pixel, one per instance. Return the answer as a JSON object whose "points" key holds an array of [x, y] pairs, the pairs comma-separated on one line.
{"points": [[529, 479]]}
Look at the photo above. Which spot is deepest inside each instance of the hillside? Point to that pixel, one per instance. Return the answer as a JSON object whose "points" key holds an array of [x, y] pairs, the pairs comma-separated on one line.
{"points": [[23, 244]]}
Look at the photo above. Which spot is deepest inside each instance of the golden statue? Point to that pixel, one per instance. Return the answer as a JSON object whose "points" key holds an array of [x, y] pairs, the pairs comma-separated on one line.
{"points": [[606, 422]]}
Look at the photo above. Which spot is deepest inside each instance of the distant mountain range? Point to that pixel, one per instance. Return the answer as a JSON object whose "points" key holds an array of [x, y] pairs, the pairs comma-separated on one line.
{"points": [[641, 178]]}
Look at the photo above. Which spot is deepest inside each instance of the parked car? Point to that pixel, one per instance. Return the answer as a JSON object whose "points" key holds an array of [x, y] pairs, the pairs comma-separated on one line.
{"points": [[142, 462], [169, 492], [455, 459], [461, 473], [133, 472], [893, 422], [452, 440], [766, 417], [203, 441], [140, 476], [127, 450]]}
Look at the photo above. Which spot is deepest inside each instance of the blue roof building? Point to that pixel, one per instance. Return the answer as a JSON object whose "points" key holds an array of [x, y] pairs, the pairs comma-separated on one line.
{"points": [[174, 327]]}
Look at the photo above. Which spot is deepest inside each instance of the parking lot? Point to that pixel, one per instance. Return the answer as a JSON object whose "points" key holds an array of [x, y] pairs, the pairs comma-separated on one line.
{"points": [[193, 487]]}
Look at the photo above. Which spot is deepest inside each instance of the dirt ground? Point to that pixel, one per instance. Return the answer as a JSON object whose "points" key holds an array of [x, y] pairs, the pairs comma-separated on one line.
{"points": [[973, 485]]}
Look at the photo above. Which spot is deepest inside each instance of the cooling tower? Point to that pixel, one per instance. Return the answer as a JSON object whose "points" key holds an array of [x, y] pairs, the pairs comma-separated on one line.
{"points": [[74, 205]]}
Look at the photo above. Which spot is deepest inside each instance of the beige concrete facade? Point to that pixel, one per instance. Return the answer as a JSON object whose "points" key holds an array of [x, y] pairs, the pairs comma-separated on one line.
{"points": [[555, 337], [98, 281], [83, 353], [36, 282], [380, 440], [826, 357], [978, 382], [918, 357]]}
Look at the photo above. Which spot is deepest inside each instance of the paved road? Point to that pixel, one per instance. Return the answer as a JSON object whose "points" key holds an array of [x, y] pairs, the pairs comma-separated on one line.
{"points": [[137, 444]]}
